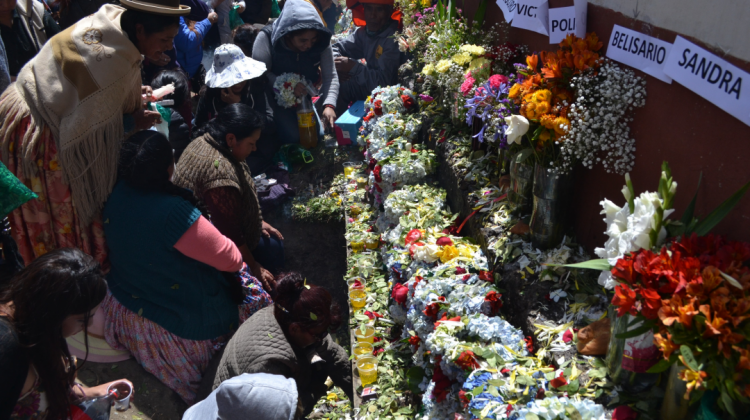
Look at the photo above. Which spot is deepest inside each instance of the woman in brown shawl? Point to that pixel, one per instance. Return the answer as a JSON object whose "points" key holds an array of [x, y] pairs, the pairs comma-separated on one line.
{"points": [[213, 167], [66, 117]]}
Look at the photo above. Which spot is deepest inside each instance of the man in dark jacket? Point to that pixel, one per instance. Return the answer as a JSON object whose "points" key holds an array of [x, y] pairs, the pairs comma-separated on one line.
{"points": [[369, 57]]}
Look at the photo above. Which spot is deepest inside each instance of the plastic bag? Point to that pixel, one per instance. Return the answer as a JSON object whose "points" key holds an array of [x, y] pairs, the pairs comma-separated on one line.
{"points": [[12, 192], [166, 118], [234, 17], [275, 10]]}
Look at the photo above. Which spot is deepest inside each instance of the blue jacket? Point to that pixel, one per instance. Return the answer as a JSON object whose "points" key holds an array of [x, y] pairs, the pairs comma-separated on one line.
{"points": [[189, 45], [151, 278]]}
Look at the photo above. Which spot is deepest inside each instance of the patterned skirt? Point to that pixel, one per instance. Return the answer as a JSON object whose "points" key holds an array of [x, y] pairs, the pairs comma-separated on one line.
{"points": [[177, 362], [50, 221]]}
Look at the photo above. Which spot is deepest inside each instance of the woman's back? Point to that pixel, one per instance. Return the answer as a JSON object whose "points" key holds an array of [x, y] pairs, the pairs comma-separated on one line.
{"points": [[150, 277]]}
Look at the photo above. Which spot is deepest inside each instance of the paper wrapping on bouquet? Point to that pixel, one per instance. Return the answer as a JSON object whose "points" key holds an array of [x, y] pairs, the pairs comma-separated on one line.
{"points": [[347, 125], [640, 353]]}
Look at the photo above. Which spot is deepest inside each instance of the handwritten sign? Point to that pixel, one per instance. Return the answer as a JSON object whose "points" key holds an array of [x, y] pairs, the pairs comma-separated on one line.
{"points": [[567, 20], [508, 7], [643, 52], [711, 77], [532, 15]]}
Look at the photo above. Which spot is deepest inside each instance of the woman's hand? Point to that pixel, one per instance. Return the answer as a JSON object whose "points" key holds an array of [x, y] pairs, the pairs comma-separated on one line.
{"points": [[329, 118], [265, 276], [213, 18], [242, 6], [343, 66], [300, 90], [101, 390], [269, 230], [145, 119], [147, 93], [228, 96]]}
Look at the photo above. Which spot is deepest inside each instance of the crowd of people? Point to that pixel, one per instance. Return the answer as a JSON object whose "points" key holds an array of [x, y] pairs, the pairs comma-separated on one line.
{"points": [[150, 215]]}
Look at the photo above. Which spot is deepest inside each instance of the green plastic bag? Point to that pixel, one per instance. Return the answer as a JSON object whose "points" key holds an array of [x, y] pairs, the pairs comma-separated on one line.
{"points": [[275, 10], [234, 17], [12, 192]]}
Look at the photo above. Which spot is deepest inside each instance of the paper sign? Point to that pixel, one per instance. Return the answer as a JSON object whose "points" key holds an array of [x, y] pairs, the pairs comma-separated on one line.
{"points": [[643, 52], [567, 20], [711, 77], [532, 15], [508, 7]]}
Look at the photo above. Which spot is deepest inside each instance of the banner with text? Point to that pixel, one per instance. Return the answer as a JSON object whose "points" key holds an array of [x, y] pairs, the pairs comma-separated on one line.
{"points": [[643, 52], [508, 7], [567, 20], [711, 77], [532, 15]]}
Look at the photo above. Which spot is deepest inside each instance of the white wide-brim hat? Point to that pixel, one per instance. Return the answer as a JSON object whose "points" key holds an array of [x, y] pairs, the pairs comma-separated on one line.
{"points": [[232, 66], [157, 7]]}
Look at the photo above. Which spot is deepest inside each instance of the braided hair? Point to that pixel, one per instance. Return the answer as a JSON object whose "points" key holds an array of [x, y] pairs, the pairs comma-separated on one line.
{"points": [[145, 159]]}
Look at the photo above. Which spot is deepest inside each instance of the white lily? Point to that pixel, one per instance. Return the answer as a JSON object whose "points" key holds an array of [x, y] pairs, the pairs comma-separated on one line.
{"points": [[518, 125]]}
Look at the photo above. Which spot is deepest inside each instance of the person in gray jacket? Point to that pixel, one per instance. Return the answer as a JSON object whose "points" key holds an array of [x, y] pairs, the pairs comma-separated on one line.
{"points": [[372, 43], [256, 396], [289, 339]]}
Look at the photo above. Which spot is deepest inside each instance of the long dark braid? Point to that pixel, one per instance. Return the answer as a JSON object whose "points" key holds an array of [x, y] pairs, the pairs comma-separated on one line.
{"points": [[145, 159]]}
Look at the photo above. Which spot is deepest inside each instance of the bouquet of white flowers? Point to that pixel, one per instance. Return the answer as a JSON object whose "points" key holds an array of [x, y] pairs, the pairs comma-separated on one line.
{"points": [[283, 89]]}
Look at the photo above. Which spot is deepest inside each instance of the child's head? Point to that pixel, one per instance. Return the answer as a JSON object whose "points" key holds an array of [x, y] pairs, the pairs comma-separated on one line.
{"points": [[243, 36], [179, 79]]}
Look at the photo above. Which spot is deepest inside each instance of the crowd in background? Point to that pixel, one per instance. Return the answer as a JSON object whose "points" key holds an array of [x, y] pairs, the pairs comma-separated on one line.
{"points": [[146, 220]]}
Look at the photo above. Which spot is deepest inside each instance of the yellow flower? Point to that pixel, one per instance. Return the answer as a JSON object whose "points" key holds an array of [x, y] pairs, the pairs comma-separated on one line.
{"points": [[478, 63], [694, 379], [514, 91], [548, 121], [465, 251], [332, 396], [428, 70], [426, 3], [462, 58], [443, 66], [473, 49], [544, 135], [542, 108], [543, 95], [449, 252], [529, 110], [561, 125]]}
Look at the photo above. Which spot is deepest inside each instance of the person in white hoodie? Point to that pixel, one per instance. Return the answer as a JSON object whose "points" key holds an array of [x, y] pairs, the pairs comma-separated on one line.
{"points": [[257, 395]]}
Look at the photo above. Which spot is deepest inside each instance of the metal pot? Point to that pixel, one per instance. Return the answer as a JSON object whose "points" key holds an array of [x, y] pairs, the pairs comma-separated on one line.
{"points": [[551, 212]]}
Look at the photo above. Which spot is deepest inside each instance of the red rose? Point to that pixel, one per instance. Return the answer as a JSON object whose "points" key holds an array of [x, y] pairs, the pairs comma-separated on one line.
{"points": [[442, 241], [558, 382], [486, 276], [378, 107], [624, 412], [568, 336], [467, 361], [432, 310], [412, 236], [376, 173], [399, 293], [373, 162], [408, 101], [493, 298]]}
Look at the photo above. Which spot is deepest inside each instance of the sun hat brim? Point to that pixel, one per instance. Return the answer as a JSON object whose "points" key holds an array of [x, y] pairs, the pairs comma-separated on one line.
{"points": [[239, 71], [156, 9]]}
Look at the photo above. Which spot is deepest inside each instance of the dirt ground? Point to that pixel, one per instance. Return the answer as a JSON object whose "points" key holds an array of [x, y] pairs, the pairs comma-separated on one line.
{"points": [[318, 251]]}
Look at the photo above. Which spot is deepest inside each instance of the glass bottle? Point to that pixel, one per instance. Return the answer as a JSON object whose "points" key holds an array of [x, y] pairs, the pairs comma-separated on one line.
{"points": [[628, 359], [308, 136]]}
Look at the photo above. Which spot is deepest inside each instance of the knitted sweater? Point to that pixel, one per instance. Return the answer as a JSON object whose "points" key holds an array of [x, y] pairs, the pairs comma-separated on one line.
{"points": [[260, 346], [153, 279], [202, 167]]}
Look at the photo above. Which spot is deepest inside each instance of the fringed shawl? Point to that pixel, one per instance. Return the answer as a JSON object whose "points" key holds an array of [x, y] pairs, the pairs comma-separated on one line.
{"points": [[79, 86]]}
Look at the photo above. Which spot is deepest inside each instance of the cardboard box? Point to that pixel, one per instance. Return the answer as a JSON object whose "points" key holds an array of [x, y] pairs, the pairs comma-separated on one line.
{"points": [[347, 125]]}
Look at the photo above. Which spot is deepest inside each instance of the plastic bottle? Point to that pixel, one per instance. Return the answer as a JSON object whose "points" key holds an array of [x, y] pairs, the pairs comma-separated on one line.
{"points": [[99, 408], [308, 136]]}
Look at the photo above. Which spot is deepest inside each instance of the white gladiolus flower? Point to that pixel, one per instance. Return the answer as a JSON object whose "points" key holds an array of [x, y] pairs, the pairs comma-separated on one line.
{"points": [[518, 125]]}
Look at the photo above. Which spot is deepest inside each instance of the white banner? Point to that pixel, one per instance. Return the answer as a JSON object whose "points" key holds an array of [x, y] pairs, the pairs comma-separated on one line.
{"points": [[643, 52], [567, 20], [711, 77], [532, 15], [508, 7]]}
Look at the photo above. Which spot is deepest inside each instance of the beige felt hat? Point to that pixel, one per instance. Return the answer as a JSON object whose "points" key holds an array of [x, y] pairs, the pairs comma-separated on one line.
{"points": [[157, 7]]}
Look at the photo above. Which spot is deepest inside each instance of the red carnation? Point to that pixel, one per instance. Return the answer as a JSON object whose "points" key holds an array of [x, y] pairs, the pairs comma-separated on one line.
{"points": [[408, 101], [414, 340], [442, 241], [378, 107], [399, 293]]}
